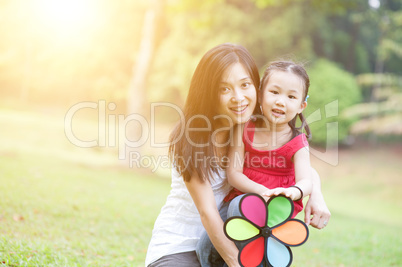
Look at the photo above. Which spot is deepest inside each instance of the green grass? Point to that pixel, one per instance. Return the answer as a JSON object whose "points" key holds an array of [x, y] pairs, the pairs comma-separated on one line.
{"points": [[55, 212], [364, 195], [66, 206]]}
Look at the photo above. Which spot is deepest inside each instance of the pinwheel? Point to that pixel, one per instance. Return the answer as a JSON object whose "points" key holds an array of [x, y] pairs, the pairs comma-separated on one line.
{"points": [[266, 231]]}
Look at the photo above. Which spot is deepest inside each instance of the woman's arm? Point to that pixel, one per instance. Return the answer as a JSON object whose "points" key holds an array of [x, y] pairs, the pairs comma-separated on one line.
{"points": [[234, 172], [316, 212], [203, 197]]}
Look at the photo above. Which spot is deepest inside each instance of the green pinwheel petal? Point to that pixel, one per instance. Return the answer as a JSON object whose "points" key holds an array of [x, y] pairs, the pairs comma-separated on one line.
{"points": [[279, 210], [239, 229]]}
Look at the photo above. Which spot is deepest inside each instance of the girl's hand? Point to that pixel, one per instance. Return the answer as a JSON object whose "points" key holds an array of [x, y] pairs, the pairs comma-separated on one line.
{"points": [[292, 193], [266, 194]]}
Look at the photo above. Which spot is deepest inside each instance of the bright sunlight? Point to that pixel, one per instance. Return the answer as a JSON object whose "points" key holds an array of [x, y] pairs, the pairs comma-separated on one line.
{"points": [[66, 17]]}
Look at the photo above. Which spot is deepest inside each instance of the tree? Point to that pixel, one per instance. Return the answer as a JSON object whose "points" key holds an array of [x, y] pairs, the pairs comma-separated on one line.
{"points": [[332, 90], [381, 113], [137, 89]]}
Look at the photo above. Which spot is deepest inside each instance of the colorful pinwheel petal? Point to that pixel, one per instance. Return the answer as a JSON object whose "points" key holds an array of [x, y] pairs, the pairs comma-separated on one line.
{"points": [[267, 230]]}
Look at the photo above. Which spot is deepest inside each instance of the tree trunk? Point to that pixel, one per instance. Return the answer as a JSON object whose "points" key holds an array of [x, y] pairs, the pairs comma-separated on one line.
{"points": [[136, 98], [351, 60], [133, 127]]}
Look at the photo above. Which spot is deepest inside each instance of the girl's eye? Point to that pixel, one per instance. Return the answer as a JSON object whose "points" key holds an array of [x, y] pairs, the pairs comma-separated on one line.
{"points": [[274, 92], [292, 97]]}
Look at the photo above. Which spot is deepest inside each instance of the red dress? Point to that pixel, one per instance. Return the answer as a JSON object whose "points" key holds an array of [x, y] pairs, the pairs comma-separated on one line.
{"points": [[271, 168]]}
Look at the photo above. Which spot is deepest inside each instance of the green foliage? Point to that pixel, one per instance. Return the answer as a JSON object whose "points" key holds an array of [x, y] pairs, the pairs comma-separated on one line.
{"points": [[381, 114], [332, 90], [269, 3], [266, 33], [65, 67], [362, 59]]}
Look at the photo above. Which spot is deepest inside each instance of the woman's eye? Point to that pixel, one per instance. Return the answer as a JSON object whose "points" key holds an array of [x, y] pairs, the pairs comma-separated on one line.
{"points": [[225, 89]]}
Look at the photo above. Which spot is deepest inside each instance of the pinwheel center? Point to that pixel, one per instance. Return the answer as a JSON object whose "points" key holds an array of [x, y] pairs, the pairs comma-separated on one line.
{"points": [[266, 231]]}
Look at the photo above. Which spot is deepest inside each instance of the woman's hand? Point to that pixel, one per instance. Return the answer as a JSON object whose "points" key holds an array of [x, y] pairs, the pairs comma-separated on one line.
{"points": [[316, 212]]}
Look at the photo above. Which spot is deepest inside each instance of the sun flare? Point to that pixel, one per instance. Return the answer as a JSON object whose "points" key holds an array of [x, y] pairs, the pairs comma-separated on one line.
{"points": [[65, 15]]}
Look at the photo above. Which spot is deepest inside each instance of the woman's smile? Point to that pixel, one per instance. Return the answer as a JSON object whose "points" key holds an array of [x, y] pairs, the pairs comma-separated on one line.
{"points": [[239, 109]]}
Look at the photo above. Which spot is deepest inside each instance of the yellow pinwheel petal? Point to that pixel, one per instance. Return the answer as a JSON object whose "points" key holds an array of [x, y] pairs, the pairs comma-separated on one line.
{"points": [[239, 229]]}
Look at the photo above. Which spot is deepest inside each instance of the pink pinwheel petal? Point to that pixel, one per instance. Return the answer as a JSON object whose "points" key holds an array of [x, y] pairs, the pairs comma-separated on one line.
{"points": [[253, 253], [292, 233], [253, 208], [278, 254]]}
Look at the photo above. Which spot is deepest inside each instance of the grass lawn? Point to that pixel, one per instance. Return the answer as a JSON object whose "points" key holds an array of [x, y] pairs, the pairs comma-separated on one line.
{"points": [[364, 195], [66, 206]]}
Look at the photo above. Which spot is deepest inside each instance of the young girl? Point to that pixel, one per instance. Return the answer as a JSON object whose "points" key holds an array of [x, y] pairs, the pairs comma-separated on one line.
{"points": [[269, 154], [274, 151]]}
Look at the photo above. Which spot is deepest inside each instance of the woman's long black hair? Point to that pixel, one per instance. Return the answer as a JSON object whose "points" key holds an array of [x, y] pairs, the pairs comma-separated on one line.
{"points": [[192, 150]]}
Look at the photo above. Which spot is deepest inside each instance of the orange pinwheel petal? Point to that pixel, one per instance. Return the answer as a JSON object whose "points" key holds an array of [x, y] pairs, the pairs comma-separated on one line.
{"points": [[292, 233]]}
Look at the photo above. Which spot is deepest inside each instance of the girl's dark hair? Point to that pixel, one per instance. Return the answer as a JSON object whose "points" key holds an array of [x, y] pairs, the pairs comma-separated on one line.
{"points": [[193, 150], [297, 69]]}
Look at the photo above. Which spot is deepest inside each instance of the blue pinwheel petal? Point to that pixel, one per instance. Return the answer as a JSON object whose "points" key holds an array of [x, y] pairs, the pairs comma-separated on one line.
{"points": [[278, 255]]}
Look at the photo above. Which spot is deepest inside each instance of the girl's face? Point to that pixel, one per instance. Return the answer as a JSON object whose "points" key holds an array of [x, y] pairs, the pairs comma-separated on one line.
{"points": [[282, 97], [238, 95]]}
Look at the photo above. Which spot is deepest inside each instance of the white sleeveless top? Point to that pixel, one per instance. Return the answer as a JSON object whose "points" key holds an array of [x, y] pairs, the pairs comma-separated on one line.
{"points": [[178, 227]]}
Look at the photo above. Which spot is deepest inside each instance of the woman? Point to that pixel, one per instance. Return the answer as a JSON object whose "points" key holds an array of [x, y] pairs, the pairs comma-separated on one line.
{"points": [[222, 93]]}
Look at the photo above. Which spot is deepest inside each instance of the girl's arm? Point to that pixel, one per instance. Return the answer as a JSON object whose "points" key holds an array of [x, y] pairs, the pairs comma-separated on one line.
{"points": [[234, 172], [303, 171], [303, 177], [203, 197]]}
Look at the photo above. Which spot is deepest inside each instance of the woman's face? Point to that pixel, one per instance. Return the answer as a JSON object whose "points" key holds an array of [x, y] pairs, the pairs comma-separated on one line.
{"points": [[238, 95]]}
